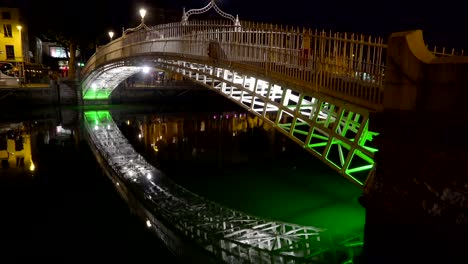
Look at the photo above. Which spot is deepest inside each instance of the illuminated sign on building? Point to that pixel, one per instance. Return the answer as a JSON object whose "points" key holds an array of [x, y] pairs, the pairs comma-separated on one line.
{"points": [[57, 52]]}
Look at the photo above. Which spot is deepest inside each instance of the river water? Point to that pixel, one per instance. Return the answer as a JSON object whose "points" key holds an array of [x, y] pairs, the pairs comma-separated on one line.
{"points": [[58, 204]]}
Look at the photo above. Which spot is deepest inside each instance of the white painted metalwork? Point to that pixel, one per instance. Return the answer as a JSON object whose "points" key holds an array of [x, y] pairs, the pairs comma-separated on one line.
{"points": [[233, 236], [211, 4], [345, 66], [334, 131], [142, 25], [262, 73]]}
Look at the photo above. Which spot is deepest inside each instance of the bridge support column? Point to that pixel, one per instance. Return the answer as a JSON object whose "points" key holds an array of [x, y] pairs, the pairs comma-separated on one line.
{"points": [[417, 202]]}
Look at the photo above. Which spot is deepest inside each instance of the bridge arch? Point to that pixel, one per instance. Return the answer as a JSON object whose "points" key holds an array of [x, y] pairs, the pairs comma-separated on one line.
{"points": [[263, 69], [334, 131]]}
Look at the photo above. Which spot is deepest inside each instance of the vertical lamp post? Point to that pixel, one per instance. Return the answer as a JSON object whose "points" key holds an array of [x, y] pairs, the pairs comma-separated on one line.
{"points": [[20, 73], [111, 35]]}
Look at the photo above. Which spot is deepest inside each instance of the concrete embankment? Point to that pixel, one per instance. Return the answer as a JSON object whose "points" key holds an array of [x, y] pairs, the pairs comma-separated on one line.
{"points": [[69, 93], [54, 93]]}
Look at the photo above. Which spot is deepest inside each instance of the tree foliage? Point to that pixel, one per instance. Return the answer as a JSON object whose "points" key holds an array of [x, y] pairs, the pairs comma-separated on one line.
{"points": [[72, 26], [70, 45]]}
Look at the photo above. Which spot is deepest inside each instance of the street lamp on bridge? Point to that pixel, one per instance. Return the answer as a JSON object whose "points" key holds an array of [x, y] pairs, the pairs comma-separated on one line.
{"points": [[111, 35], [139, 27]]}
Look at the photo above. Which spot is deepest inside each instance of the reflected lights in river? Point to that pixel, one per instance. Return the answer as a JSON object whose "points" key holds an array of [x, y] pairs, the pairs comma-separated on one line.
{"points": [[32, 167], [166, 130], [15, 147], [20, 141]]}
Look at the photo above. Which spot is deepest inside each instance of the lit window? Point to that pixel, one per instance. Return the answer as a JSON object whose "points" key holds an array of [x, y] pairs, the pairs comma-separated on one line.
{"points": [[7, 31]]}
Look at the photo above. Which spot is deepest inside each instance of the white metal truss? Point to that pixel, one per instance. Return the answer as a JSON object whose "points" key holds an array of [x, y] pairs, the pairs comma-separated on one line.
{"points": [[332, 130], [105, 79], [233, 236]]}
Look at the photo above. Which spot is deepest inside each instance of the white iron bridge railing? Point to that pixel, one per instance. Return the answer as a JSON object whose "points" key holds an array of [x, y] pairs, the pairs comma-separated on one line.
{"points": [[345, 66], [350, 67], [232, 236]]}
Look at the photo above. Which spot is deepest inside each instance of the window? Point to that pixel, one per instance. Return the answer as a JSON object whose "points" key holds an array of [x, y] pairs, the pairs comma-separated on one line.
{"points": [[10, 52], [6, 15], [7, 30]]}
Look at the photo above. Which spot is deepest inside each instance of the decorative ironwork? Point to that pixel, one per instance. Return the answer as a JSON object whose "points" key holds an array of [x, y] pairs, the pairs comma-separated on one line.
{"points": [[142, 25], [344, 66], [211, 4]]}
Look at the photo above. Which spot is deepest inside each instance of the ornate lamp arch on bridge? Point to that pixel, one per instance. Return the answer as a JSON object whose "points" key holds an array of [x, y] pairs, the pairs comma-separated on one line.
{"points": [[211, 4], [142, 25]]}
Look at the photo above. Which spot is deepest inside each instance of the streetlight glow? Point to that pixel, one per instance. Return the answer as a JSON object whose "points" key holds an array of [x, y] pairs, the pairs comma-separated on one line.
{"points": [[111, 34], [21, 58], [142, 13], [141, 26]]}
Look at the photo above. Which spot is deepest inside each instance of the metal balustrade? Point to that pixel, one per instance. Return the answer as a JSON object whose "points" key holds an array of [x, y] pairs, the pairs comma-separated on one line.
{"points": [[349, 67], [346, 66]]}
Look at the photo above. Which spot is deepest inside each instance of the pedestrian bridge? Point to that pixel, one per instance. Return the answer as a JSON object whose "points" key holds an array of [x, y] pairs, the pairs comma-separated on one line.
{"points": [[318, 88]]}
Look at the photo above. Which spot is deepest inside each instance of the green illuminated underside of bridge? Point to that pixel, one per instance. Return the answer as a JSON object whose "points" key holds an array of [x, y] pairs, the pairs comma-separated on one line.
{"points": [[100, 94], [353, 163]]}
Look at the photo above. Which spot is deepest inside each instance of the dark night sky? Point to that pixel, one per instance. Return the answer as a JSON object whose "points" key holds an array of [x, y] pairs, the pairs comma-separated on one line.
{"points": [[443, 22]]}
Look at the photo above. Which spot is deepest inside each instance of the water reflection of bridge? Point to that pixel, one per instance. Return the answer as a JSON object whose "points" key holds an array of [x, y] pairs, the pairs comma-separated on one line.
{"points": [[172, 210]]}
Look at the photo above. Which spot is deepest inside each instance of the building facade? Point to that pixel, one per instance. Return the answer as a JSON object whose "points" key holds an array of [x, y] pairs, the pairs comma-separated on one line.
{"points": [[12, 37]]}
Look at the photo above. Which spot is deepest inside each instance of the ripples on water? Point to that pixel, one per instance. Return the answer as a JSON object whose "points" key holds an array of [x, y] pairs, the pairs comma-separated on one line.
{"points": [[236, 159], [56, 206]]}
